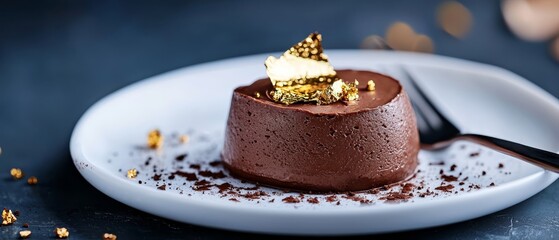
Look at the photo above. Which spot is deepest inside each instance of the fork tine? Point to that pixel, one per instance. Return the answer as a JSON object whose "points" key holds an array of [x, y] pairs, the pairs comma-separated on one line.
{"points": [[435, 119], [422, 124]]}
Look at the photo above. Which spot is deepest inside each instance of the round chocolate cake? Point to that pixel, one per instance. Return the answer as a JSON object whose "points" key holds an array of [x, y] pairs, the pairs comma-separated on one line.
{"points": [[343, 146]]}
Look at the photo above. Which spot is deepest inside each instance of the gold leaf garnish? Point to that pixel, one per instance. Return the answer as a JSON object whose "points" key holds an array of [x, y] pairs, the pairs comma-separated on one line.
{"points": [[24, 234], [16, 173], [132, 173], [257, 95], [8, 217], [155, 139], [61, 233], [303, 74], [371, 85]]}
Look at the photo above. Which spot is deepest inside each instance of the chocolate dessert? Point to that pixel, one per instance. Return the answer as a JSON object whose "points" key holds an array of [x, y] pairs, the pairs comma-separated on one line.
{"points": [[312, 131]]}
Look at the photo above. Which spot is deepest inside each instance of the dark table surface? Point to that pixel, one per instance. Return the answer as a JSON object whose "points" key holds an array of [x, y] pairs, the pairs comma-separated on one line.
{"points": [[58, 57]]}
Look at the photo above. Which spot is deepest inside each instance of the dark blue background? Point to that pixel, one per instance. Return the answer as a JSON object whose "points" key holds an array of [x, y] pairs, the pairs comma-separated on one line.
{"points": [[59, 57]]}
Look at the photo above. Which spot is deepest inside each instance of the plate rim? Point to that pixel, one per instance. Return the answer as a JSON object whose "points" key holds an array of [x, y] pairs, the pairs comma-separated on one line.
{"points": [[506, 75]]}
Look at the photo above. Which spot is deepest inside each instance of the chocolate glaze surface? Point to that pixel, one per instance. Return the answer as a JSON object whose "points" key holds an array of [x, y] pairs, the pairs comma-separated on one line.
{"points": [[338, 147]]}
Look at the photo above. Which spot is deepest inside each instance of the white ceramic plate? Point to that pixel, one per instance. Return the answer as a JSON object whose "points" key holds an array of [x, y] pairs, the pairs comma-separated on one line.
{"points": [[108, 140]]}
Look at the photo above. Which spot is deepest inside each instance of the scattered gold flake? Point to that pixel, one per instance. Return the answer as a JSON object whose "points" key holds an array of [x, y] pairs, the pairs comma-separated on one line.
{"points": [[374, 42], [155, 139], [16, 173], [257, 95], [400, 36], [184, 138], [62, 233], [454, 18], [423, 44], [371, 85], [24, 234], [350, 92], [303, 74], [8, 217], [109, 236], [132, 173], [32, 180]]}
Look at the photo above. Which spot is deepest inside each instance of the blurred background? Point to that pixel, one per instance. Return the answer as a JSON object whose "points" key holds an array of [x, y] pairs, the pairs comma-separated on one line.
{"points": [[58, 57]]}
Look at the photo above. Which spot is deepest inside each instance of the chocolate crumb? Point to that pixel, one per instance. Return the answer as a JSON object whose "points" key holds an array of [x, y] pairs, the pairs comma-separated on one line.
{"points": [[338, 203], [189, 176], [224, 187], [356, 198], [181, 157], [147, 161], [162, 187], [461, 183], [492, 184], [254, 195], [453, 167], [273, 199], [449, 178], [441, 163], [233, 200], [501, 165], [195, 166], [374, 191], [441, 171], [396, 196], [483, 173], [291, 199], [211, 174], [202, 182], [156, 177], [215, 163], [445, 188], [332, 198], [408, 187], [313, 200], [474, 154]]}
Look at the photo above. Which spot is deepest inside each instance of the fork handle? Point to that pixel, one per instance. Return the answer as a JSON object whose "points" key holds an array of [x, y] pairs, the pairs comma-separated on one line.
{"points": [[545, 159]]}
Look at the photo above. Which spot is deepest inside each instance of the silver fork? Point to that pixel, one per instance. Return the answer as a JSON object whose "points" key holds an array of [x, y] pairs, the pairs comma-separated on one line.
{"points": [[437, 132]]}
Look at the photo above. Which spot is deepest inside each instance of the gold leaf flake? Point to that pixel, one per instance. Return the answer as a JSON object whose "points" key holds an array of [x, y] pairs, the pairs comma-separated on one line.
{"points": [[24, 234], [371, 85], [155, 139], [62, 233], [303, 74], [132, 173], [8, 217]]}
